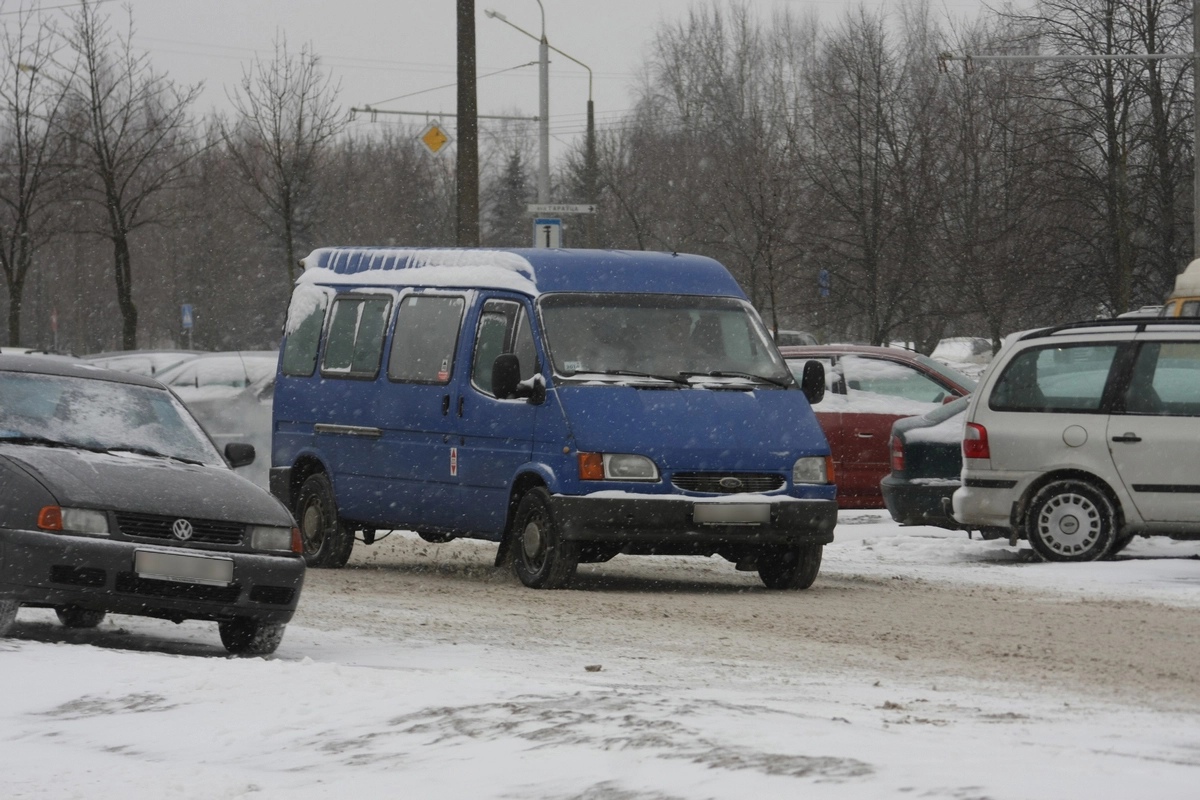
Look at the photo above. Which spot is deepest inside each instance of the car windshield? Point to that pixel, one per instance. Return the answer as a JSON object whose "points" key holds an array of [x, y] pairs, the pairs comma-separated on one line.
{"points": [[671, 338], [99, 415]]}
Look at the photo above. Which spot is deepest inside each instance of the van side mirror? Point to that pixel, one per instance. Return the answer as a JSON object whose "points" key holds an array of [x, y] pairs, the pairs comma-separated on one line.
{"points": [[239, 454], [506, 374], [812, 381]]}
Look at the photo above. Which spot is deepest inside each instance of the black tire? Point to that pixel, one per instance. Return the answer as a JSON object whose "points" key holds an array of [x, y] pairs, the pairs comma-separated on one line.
{"points": [[76, 617], [8, 615], [327, 539], [790, 567], [248, 637], [1119, 544], [541, 559], [1070, 520]]}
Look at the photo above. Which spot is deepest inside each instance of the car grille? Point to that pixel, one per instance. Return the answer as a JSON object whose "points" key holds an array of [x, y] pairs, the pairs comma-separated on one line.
{"points": [[155, 526], [711, 482]]}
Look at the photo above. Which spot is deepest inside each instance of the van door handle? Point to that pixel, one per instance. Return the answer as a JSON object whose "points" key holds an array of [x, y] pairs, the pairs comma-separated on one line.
{"points": [[461, 399], [1129, 438], [445, 404]]}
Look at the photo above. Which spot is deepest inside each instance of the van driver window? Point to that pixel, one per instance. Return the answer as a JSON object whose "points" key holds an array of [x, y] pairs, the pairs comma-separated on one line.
{"points": [[426, 338], [503, 328]]}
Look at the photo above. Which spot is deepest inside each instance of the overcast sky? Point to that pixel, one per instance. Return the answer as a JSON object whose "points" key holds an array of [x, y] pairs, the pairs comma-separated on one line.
{"points": [[393, 54]]}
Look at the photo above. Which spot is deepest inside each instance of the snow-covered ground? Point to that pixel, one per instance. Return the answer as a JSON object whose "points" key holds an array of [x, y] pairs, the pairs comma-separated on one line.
{"points": [[386, 687]]}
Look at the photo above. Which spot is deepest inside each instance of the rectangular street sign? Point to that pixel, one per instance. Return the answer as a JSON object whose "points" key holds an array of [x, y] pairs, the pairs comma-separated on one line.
{"points": [[547, 233], [560, 208]]}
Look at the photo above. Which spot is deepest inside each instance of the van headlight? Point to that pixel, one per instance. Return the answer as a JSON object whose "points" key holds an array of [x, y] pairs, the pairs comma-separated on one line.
{"points": [[616, 467], [811, 469], [270, 537]]}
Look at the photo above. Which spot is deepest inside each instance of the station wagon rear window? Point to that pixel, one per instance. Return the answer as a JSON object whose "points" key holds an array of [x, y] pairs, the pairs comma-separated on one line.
{"points": [[1068, 378]]}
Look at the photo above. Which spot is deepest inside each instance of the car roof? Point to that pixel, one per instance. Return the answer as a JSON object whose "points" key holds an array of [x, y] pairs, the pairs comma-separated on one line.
{"points": [[72, 369], [816, 350], [530, 271], [1127, 325]]}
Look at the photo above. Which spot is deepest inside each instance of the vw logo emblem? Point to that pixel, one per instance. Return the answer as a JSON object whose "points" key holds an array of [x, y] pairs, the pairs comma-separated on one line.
{"points": [[182, 529], [731, 483]]}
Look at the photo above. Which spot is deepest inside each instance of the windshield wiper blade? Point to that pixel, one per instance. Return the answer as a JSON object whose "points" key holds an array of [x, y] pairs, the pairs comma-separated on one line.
{"points": [[146, 451], [633, 373], [42, 440], [730, 374]]}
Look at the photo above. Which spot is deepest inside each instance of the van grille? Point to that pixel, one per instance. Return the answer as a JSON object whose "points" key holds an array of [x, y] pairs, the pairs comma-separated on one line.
{"points": [[155, 526], [727, 482]]}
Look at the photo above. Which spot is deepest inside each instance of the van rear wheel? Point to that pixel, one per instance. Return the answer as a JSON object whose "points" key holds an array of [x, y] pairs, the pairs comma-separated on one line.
{"points": [[1070, 520], [541, 558], [790, 566], [76, 617], [327, 539]]}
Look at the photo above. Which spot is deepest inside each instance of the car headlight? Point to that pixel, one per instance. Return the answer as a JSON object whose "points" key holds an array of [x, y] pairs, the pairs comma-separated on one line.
{"points": [[812, 469], [616, 467], [270, 537], [73, 520]]}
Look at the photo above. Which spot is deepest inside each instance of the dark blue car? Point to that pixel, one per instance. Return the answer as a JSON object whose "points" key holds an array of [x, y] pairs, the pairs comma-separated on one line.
{"points": [[568, 404]]}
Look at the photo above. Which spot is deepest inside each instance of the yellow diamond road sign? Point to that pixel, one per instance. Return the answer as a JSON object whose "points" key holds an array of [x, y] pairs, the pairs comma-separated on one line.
{"points": [[435, 138]]}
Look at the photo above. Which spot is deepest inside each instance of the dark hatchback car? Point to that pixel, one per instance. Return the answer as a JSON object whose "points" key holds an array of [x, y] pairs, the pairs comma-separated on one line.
{"points": [[112, 499], [926, 462], [868, 389]]}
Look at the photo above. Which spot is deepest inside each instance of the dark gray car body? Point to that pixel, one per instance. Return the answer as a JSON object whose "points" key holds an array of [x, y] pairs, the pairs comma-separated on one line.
{"points": [[142, 497]]}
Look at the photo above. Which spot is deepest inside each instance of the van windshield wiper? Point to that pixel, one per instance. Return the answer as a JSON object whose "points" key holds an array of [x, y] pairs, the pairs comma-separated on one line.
{"points": [[729, 374], [632, 373]]}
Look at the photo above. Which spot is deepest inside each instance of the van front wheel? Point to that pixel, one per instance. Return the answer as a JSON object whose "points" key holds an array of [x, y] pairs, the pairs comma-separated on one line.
{"points": [[1070, 520], [327, 540], [790, 567], [541, 558]]}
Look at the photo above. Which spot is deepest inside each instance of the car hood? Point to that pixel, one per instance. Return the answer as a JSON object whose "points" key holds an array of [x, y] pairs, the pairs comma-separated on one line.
{"points": [[126, 482], [695, 429]]}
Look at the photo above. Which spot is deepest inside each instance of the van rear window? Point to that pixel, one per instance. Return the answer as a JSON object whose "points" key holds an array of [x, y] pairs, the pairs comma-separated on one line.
{"points": [[426, 339], [306, 318]]}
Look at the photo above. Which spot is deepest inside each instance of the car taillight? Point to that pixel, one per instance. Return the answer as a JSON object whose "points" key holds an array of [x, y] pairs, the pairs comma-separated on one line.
{"points": [[897, 454], [975, 442]]}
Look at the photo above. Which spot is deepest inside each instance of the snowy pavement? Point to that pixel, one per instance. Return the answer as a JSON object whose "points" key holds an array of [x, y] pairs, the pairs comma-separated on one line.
{"points": [[145, 709]]}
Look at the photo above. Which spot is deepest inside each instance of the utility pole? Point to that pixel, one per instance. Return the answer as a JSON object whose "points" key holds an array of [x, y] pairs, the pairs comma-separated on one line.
{"points": [[467, 168]]}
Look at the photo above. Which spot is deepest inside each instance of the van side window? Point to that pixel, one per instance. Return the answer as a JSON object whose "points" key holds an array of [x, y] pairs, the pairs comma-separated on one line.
{"points": [[426, 338], [1054, 379], [1165, 380], [306, 318], [503, 328], [355, 341]]}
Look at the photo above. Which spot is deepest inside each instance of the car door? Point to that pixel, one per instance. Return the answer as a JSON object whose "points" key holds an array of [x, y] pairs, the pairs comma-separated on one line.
{"points": [[829, 410], [495, 435], [879, 391], [1154, 432]]}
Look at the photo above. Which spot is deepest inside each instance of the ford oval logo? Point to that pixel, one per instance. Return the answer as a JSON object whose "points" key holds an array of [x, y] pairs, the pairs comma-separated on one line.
{"points": [[182, 529], [731, 483]]}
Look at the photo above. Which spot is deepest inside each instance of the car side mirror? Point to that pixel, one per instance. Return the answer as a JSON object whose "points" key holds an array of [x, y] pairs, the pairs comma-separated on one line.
{"points": [[239, 454], [506, 375], [812, 381]]}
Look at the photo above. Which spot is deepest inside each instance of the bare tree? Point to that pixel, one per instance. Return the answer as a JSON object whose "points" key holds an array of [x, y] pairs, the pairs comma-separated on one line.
{"points": [[287, 115], [133, 136], [31, 99]]}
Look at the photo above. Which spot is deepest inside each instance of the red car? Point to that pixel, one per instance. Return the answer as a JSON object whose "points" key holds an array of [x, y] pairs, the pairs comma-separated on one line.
{"points": [[866, 390]]}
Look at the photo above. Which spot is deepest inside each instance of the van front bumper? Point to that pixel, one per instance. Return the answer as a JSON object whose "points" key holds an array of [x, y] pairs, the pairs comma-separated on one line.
{"points": [[671, 520]]}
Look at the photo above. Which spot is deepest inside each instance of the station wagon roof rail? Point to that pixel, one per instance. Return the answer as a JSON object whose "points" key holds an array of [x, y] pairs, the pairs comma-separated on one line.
{"points": [[1127, 325], [529, 271]]}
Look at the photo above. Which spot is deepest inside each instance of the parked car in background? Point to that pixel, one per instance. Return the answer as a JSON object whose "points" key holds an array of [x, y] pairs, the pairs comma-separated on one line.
{"points": [[867, 390], [141, 362], [793, 338], [1083, 436], [114, 501], [231, 395]]}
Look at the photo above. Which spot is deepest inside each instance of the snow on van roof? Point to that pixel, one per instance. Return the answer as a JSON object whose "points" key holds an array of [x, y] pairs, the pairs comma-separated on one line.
{"points": [[495, 269]]}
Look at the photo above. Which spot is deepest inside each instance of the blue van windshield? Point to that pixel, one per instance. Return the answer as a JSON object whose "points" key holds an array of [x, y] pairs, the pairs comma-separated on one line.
{"points": [[672, 338]]}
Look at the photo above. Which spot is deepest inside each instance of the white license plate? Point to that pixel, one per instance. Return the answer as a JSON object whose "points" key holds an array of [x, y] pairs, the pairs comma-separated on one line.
{"points": [[189, 569], [731, 513]]}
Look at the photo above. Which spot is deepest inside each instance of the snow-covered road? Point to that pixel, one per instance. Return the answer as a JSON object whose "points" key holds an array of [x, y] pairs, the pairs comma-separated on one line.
{"points": [[920, 664]]}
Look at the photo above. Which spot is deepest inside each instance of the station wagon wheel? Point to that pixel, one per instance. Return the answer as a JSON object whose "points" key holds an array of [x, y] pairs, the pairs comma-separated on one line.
{"points": [[327, 539], [76, 617], [790, 566], [8, 615], [1070, 520], [249, 637], [541, 558]]}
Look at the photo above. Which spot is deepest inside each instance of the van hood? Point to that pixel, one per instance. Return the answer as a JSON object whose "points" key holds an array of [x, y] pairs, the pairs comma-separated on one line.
{"points": [[126, 482], [695, 428]]}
